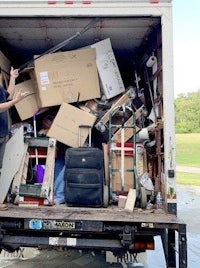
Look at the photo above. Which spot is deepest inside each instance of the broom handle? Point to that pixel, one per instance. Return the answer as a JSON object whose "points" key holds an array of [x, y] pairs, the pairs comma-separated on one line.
{"points": [[35, 136]]}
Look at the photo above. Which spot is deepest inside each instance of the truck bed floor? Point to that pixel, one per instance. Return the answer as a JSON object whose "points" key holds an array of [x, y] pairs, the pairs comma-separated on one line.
{"points": [[112, 213]]}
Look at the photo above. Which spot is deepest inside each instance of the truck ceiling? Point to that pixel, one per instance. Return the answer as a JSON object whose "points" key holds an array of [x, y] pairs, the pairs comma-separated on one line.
{"points": [[22, 38]]}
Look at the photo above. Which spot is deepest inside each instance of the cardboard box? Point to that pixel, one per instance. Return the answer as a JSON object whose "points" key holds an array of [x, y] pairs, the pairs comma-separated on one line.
{"points": [[116, 176], [110, 77], [65, 127], [5, 66], [128, 165], [63, 76], [27, 107], [128, 176]]}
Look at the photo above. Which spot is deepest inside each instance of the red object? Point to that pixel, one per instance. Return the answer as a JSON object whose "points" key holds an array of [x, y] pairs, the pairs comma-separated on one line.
{"points": [[51, 2], [128, 148], [31, 199], [42, 152], [86, 2], [154, 1]]}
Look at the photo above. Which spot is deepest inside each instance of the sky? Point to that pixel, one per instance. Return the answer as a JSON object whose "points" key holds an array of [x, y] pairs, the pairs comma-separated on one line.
{"points": [[186, 32]]}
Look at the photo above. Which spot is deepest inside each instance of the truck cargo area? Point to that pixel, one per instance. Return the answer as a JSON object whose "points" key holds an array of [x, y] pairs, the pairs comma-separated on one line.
{"points": [[134, 39]]}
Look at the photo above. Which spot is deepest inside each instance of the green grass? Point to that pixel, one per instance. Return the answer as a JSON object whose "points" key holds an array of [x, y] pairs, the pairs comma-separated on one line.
{"points": [[188, 154], [188, 149], [188, 178]]}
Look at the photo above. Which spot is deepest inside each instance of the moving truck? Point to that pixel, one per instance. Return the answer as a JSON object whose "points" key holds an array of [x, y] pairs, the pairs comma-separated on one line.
{"points": [[140, 31]]}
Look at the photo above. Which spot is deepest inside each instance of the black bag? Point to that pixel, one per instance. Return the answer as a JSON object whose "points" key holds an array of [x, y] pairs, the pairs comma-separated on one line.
{"points": [[84, 176]]}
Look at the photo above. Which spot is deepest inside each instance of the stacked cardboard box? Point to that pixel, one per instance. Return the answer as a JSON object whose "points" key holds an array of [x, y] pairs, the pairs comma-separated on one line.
{"points": [[70, 77]]}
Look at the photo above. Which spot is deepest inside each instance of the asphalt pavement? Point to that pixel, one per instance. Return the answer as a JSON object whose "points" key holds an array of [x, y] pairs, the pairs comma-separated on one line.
{"points": [[188, 169]]}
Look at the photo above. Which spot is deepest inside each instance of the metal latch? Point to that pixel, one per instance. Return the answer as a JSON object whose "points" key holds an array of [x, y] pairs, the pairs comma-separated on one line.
{"points": [[127, 236]]}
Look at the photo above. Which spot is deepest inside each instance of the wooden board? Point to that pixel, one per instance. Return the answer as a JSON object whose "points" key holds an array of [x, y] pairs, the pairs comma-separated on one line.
{"points": [[47, 185], [21, 175], [12, 159], [128, 132], [112, 213]]}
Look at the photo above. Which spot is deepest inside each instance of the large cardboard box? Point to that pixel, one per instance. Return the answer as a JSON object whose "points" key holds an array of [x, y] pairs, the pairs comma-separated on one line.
{"points": [[5, 70], [65, 127], [67, 77], [110, 77], [27, 107]]}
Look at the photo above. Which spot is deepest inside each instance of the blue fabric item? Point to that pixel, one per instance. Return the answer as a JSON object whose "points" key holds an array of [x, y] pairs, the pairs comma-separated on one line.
{"points": [[2, 150], [59, 182], [4, 130]]}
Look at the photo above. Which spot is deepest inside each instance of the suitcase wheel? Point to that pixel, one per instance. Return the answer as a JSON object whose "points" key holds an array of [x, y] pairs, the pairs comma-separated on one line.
{"points": [[143, 196], [105, 196]]}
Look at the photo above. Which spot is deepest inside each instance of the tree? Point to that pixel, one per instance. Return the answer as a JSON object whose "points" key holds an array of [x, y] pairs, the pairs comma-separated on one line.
{"points": [[187, 112]]}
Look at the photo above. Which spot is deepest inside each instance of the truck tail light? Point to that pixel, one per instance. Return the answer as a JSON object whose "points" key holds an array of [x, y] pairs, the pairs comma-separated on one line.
{"points": [[141, 246]]}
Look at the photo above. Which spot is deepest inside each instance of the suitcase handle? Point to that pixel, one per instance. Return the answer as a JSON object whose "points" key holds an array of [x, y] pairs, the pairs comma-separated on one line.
{"points": [[89, 132]]}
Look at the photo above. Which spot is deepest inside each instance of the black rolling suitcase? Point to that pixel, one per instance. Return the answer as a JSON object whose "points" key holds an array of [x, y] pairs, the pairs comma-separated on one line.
{"points": [[84, 175]]}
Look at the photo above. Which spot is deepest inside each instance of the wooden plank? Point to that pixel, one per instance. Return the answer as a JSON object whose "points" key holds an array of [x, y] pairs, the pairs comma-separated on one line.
{"points": [[25, 169], [62, 212], [29, 204], [20, 176], [12, 159], [130, 202], [47, 185], [128, 131]]}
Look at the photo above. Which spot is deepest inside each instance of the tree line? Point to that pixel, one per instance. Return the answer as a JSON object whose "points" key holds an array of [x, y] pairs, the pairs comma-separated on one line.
{"points": [[187, 112]]}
